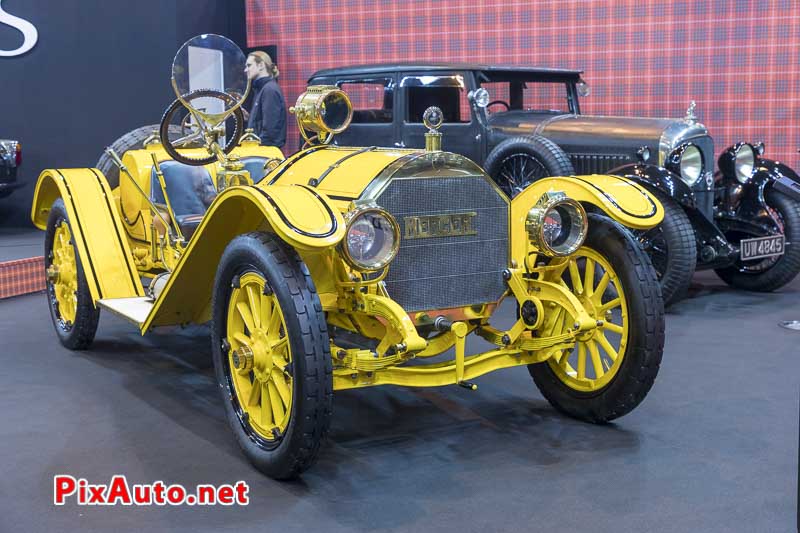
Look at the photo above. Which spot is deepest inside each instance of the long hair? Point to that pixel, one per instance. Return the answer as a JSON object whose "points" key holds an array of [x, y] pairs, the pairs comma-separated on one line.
{"points": [[263, 58]]}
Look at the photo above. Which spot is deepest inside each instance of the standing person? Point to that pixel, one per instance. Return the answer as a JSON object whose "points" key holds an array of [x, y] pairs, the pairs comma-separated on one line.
{"points": [[267, 117]]}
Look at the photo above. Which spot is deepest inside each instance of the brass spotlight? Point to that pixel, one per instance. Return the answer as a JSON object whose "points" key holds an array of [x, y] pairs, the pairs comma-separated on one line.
{"points": [[324, 110]]}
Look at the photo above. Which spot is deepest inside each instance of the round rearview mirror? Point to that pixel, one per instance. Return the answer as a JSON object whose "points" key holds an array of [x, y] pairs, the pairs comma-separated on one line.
{"points": [[583, 88], [212, 63]]}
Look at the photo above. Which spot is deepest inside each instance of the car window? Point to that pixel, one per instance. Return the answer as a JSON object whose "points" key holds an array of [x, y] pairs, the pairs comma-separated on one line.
{"points": [[528, 95], [373, 100], [449, 93]]}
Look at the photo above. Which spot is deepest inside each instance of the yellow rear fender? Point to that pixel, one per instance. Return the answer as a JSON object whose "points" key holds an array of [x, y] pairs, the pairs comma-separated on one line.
{"points": [[300, 216], [97, 231]]}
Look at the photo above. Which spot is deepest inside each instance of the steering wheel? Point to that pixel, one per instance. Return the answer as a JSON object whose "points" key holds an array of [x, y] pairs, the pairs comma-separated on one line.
{"points": [[194, 132], [501, 102]]}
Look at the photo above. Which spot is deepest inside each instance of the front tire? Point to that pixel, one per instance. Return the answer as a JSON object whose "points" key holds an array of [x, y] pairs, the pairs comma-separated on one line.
{"points": [[612, 276], [672, 250], [769, 275], [72, 310], [271, 354]]}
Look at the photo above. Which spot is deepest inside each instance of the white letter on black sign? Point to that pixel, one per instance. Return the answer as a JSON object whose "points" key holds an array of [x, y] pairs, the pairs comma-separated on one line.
{"points": [[28, 30]]}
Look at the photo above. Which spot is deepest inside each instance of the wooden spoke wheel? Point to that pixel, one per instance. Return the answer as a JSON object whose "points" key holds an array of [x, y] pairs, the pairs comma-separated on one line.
{"points": [[597, 355], [259, 357], [73, 312], [611, 368], [271, 354]]}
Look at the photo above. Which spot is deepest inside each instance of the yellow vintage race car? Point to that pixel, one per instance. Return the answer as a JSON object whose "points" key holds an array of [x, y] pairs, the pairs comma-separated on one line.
{"points": [[337, 268]]}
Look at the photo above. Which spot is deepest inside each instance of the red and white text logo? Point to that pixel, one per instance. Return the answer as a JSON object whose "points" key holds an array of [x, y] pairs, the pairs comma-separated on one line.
{"points": [[119, 492]]}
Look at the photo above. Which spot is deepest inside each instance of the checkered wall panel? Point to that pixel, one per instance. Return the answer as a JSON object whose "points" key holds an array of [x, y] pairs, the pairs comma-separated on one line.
{"points": [[739, 60], [21, 276]]}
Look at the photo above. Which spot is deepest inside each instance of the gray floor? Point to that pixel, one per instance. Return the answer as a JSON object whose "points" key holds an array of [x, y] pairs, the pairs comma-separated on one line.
{"points": [[18, 243], [712, 448]]}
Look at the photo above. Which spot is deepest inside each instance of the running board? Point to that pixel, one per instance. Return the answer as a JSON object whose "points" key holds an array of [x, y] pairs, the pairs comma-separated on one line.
{"points": [[134, 309]]}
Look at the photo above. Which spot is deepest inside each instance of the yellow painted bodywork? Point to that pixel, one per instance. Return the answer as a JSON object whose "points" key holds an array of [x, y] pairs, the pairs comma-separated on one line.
{"points": [[97, 231], [348, 179], [302, 202], [621, 199], [187, 295]]}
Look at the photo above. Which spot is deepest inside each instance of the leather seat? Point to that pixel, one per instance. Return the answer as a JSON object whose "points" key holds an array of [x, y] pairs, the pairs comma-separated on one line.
{"points": [[255, 166], [190, 189]]}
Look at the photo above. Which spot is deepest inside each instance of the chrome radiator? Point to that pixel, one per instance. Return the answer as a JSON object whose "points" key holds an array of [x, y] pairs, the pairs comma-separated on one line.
{"points": [[454, 243]]}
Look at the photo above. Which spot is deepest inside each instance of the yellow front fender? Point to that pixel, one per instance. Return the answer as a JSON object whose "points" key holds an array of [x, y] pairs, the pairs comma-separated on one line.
{"points": [[300, 216], [97, 231], [620, 198]]}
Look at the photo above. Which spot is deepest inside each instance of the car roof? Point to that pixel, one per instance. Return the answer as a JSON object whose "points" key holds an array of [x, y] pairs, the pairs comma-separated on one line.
{"points": [[557, 74]]}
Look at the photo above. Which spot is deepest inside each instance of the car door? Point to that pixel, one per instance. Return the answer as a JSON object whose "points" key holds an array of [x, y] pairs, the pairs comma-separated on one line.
{"points": [[373, 111], [461, 132]]}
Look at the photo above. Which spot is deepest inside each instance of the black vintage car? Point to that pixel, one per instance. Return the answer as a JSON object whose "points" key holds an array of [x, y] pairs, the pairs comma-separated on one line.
{"points": [[522, 124], [10, 159]]}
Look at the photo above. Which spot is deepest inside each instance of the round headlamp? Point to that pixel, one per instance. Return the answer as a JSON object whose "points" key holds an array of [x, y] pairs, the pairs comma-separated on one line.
{"points": [[690, 164], [557, 225], [744, 162], [372, 239]]}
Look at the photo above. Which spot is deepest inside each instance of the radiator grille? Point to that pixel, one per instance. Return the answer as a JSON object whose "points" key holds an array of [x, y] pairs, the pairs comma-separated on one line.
{"points": [[442, 272], [597, 163]]}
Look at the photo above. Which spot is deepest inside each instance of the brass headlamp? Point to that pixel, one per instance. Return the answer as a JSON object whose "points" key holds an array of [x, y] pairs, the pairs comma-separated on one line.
{"points": [[556, 225], [323, 109]]}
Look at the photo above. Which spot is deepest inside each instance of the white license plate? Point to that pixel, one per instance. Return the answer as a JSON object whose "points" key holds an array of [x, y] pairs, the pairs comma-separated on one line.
{"points": [[761, 247]]}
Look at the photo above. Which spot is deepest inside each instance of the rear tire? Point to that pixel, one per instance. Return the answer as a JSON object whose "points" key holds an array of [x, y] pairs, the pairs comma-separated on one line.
{"points": [[786, 267], [630, 376], [72, 310], [133, 140], [517, 162]]}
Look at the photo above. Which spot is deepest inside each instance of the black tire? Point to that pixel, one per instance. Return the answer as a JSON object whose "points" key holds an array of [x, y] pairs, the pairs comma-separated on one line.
{"points": [[312, 384], [77, 335], [130, 141], [517, 162], [779, 272], [672, 249], [645, 345]]}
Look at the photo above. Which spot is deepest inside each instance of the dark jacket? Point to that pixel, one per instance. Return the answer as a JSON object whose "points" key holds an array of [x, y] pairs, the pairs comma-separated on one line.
{"points": [[268, 114]]}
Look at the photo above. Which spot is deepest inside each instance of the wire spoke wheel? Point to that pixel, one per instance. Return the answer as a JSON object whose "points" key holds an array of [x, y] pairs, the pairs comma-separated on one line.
{"points": [[655, 244], [597, 356], [517, 171], [259, 357]]}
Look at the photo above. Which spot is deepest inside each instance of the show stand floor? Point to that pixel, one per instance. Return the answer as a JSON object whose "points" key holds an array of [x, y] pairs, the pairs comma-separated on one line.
{"points": [[20, 243], [712, 448]]}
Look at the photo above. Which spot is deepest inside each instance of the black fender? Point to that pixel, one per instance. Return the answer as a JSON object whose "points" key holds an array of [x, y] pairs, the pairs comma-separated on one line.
{"points": [[746, 203], [712, 246], [655, 178], [780, 176]]}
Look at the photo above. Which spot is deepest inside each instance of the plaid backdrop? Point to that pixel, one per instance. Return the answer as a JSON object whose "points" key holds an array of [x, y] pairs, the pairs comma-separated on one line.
{"points": [[739, 60]]}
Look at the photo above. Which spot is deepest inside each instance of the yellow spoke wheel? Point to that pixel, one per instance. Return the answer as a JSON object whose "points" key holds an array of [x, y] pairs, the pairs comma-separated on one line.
{"points": [[71, 307], [598, 354], [63, 273], [271, 353], [611, 368], [259, 356]]}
